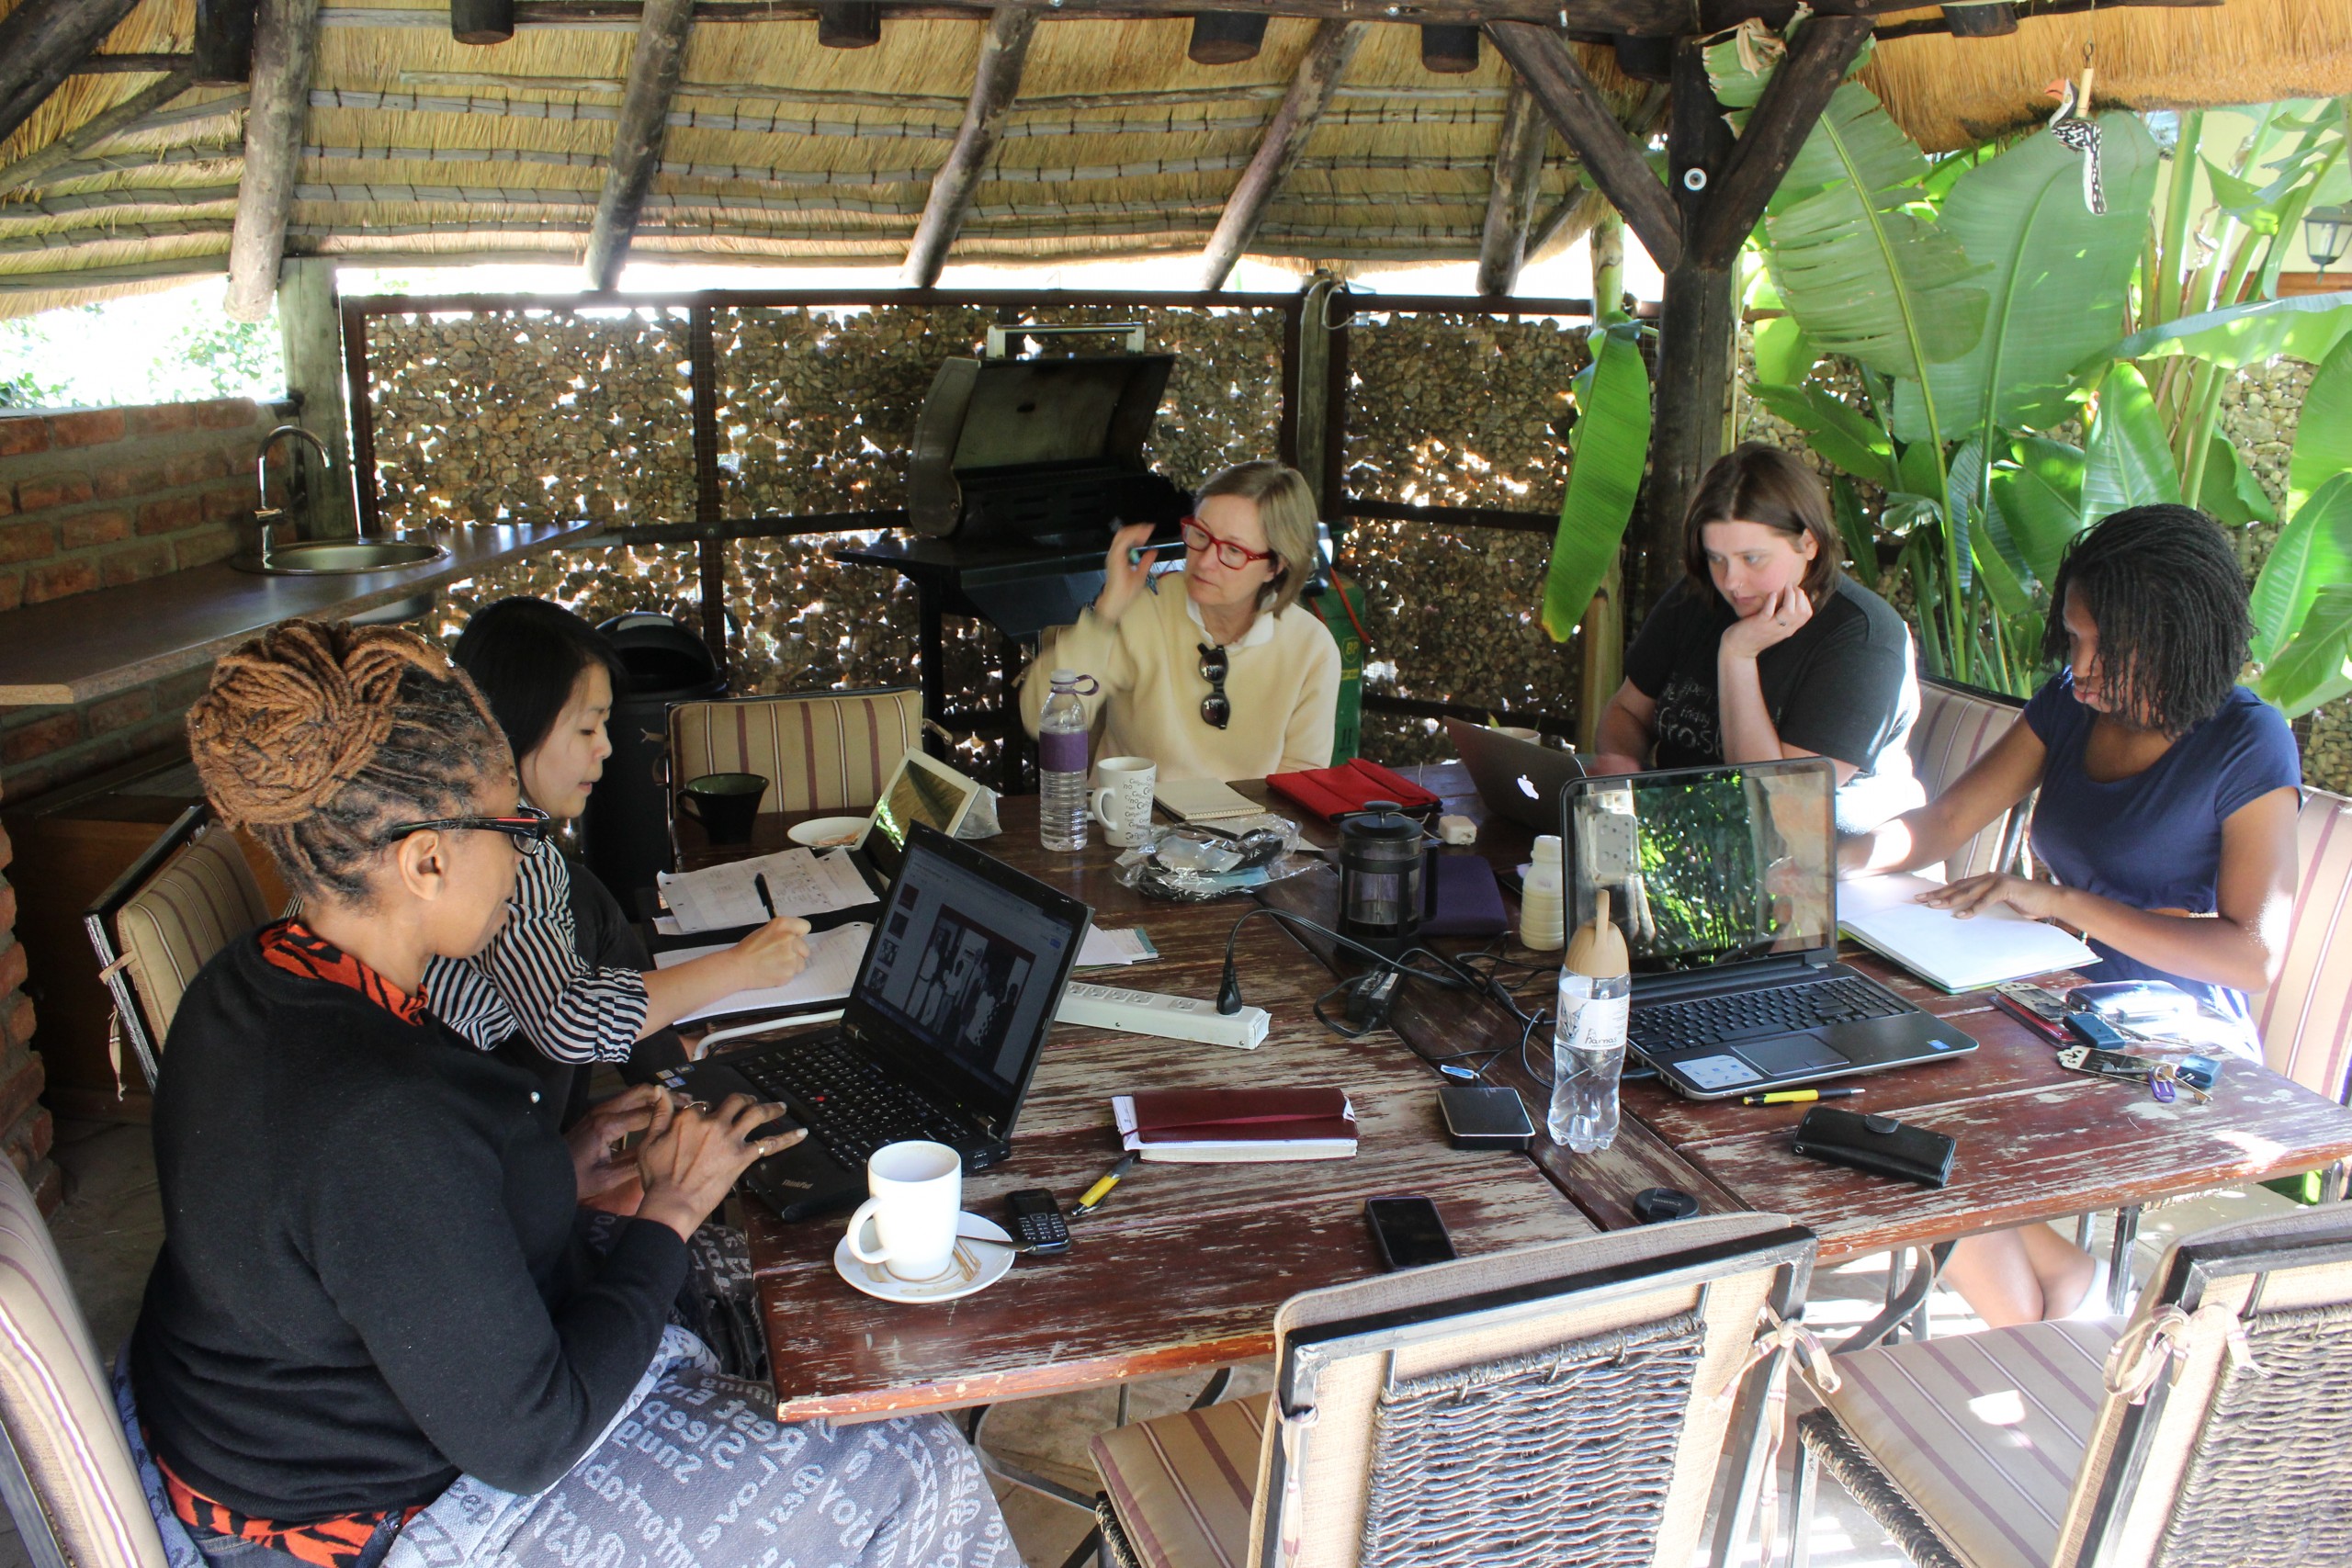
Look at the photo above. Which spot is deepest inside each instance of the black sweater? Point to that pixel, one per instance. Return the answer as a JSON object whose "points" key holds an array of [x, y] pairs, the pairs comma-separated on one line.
{"points": [[371, 1278]]}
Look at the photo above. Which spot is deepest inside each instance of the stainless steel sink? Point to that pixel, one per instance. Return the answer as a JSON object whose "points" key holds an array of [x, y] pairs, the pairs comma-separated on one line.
{"points": [[330, 556]]}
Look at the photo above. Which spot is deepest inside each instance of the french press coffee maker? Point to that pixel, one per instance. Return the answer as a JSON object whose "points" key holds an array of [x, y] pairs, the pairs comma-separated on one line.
{"points": [[1381, 867]]}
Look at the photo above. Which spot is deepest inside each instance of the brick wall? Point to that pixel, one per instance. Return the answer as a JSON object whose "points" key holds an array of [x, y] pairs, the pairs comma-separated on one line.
{"points": [[95, 498]]}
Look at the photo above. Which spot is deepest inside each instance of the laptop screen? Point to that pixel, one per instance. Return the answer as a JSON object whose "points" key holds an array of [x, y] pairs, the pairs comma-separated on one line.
{"points": [[1707, 865], [964, 969]]}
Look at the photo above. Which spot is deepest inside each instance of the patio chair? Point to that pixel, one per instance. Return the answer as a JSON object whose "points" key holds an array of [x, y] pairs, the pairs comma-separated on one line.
{"points": [[180, 902], [66, 1473], [1957, 725], [1568, 1403], [820, 751], [2306, 1017]]}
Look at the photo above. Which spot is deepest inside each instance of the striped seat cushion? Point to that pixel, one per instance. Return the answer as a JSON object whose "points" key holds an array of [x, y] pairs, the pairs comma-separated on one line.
{"points": [[1183, 1484], [205, 895], [1954, 728], [2306, 1018], [59, 1410], [833, 751], [1984, 1432]]}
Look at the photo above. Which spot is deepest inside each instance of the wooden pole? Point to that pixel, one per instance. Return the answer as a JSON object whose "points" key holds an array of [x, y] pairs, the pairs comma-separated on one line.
{"points": [[482, 21], [1603, 640], [1793, 101], [853, 25], [286, 41], [224, 42], [41, 43], [1511, 195], [1313, 414], [1005, 53], [1328, 55], [1608, 254], [29, 170], [653, 72], [309, 317], [1612, 160]]}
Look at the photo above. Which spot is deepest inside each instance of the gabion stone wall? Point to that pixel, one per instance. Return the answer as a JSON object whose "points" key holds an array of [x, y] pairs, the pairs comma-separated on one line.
{"points": [[599, 584], [463, 425]]}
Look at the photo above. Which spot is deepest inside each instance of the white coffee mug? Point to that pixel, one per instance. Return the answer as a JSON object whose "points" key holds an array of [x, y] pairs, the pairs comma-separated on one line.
{"points": [[918, 1198], [1122, 804]]}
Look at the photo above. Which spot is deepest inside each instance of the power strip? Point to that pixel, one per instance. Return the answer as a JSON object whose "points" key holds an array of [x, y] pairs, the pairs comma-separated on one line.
{"points": [[1170, 1017]]}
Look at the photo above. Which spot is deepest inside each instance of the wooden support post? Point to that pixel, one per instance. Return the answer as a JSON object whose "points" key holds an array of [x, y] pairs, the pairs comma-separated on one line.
{"points": [[224, 42], [134, 64], [1612, 160], [1776, 130], [309, 317], [1225, 38], [482, 21], [1608, 256], [1511, 193], [286, 41], [1328, 55], [1003, 54], [710, 500], [1601, 642], [41, 43], [653, 72], [1312, 412], [29, 170], [855, 24]]}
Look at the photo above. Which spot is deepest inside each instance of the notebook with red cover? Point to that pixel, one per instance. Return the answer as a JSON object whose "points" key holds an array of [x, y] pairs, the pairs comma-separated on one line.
{"points": [[1215, 1125], [1331, 793]]}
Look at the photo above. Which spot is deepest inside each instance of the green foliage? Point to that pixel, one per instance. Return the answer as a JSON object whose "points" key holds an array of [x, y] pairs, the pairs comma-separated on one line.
{"points": [[1611, 443], [2316, 667], [2312, 550], [2324, 429], [2129, 464], [2304, 326]]}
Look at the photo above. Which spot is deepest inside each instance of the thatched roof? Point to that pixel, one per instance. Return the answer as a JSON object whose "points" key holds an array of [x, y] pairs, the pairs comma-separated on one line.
{"points": [[418, 147]]}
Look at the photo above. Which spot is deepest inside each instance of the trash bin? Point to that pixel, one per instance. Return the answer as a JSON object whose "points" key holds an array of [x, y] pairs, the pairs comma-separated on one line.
{"points": [[625, 832]]}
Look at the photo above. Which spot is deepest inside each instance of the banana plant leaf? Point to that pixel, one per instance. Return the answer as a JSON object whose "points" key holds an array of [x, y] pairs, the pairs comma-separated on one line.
{"points": [[2323, 428], [1785, 355], [2312, 550], [1835, 430], [2055, 286], [2127, 460], [2305, 327], [2316, 667], [1613, 446], [1861, 544], [2230, 493], [2038, 520]]}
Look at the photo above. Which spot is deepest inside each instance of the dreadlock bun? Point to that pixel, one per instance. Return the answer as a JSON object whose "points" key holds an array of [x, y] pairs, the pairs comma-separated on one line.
{"points": [[317, 736]]}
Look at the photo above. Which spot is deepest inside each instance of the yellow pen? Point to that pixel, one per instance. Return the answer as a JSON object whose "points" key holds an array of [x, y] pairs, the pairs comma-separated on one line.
{"points": [[1102, 1188], [1797, 1096]]}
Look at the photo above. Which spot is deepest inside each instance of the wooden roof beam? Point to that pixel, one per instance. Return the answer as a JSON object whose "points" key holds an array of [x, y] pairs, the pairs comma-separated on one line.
{"points": [[41, 41], [1645, 18], [654, 70], [1612, 160], [122, 116], [1005, 53], [286, 47], [1334, 45], [1510, 196], [1777, 128], [224, 41]]}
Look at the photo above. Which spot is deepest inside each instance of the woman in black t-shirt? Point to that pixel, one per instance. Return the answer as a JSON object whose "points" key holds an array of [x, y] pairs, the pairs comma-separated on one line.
{"points": [[1767, 650]]}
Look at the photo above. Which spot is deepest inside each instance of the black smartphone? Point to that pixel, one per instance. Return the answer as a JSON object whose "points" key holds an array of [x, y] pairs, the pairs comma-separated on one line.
{"points": [[1407, 1232], [1037, 1223], [2038, 1007]]}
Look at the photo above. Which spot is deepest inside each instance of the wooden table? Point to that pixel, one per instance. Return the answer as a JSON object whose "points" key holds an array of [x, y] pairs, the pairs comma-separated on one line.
{"points": [[2036, 1142], [1184, 1265]]}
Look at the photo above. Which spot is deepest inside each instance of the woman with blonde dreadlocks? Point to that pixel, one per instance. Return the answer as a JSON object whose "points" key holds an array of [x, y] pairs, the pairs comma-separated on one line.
{"points": [[375, 1331]]}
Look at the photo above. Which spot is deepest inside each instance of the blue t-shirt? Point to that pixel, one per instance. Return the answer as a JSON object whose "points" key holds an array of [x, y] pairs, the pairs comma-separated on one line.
{"points": [[2153, 841]]}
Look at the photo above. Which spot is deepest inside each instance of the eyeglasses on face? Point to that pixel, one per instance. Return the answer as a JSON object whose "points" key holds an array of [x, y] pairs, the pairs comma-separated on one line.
{"points": [[529, 828], [1230, 555], [1215, 710]]}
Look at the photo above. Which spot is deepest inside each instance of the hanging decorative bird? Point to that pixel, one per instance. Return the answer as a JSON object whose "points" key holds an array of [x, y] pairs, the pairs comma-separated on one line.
{"points": [[2081, 135]]}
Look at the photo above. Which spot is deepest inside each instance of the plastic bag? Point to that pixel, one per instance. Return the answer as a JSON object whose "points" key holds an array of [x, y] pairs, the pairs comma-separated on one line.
{"points": [[1192, 863]]}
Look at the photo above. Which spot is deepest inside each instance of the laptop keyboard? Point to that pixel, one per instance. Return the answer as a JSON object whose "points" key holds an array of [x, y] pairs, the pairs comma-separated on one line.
{"points": [[1737, 1016], [853, 1109]]}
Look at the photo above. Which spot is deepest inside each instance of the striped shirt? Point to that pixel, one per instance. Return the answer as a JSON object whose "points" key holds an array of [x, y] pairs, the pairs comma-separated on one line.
{"points": [[531, 978]]}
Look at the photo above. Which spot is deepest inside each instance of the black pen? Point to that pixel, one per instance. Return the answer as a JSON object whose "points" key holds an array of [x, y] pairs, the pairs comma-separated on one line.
{"points": [[759, 886], [1092, 1197]]}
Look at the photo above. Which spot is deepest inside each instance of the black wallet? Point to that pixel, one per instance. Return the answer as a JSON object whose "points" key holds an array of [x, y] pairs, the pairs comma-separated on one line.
{"points": [[1879, 1144]]}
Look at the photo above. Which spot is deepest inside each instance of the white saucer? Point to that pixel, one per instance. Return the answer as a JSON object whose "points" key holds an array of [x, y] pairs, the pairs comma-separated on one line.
{"points": [[825, 833], [977, 1266]]}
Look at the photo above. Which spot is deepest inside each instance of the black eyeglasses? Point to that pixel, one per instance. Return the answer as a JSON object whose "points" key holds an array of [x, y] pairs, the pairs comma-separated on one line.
{"points": [[1215, 710], [529, 828]]}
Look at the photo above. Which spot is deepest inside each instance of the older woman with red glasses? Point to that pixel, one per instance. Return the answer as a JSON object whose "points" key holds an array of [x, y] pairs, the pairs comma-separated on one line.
{"points": [[1229, 678]]}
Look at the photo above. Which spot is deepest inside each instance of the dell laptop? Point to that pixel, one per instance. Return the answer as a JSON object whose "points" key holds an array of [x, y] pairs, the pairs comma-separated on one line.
{"points": [[938, 1039], [1723, 882], [1519, 780]]}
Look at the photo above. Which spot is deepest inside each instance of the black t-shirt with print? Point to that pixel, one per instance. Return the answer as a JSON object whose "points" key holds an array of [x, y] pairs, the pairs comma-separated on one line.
{"points": [[1843, 686]]}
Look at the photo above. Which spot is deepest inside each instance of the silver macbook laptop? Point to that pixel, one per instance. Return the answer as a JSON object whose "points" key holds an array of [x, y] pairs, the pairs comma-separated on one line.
{"points": [[1723, 882], [1519, 780]]}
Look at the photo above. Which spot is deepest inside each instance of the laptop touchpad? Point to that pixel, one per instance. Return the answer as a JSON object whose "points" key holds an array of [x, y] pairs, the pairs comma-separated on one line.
{"points": [[1792, 1054]]}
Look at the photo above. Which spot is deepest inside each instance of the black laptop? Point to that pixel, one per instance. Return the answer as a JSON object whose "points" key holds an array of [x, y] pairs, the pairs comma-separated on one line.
{"points": [[1723, 882], [938, 1038]]}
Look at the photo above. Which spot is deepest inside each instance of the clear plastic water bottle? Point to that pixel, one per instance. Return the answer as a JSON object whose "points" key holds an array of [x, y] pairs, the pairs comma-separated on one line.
{"points": [[1588, 1053], [1061, 763]]}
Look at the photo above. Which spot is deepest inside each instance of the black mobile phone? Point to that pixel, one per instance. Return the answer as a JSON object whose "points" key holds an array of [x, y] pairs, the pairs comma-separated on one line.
{"points": [[1408, 1232], [1037, 1223], [2038, 1006], [2104, 1063]]}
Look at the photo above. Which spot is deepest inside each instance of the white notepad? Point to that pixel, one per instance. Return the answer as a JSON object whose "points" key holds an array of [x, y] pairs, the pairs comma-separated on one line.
{"points": [[725, 896], [1992, 946], [833, 958], [1203, 800]]}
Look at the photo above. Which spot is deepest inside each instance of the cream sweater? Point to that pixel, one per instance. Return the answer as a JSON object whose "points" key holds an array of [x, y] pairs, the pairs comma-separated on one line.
{"points": [[1283, 681]]}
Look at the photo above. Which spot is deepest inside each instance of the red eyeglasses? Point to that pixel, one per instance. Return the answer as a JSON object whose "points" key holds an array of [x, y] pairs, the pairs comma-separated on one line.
{"points": [[1230, 555]]}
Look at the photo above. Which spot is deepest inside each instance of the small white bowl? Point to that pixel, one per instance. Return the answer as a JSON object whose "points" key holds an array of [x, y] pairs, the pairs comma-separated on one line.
{"points": [[827, 832]]}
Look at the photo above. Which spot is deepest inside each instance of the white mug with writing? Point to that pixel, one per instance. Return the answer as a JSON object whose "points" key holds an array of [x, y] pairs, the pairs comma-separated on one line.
{"points": [[1122, 802], [918, 1199]]}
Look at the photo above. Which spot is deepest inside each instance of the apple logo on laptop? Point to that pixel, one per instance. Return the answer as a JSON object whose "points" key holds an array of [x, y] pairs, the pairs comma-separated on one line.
{"points": [[1527, 787]]}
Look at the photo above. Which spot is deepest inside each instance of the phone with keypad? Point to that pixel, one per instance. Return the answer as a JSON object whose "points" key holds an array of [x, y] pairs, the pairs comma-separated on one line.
{"points": [[1037, 1223]]}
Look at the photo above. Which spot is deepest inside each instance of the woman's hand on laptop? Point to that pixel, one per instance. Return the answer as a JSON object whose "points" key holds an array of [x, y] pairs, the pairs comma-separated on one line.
{"points": [[773, 955], [692, 1157], [600, 1159]]}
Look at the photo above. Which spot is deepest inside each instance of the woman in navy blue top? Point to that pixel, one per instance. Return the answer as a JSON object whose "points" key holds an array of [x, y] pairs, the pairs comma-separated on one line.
{"points": [[2166, 813]]}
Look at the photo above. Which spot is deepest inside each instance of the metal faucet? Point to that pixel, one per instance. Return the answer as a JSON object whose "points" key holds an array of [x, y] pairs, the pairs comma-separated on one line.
{"points": [[269, 516]]}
